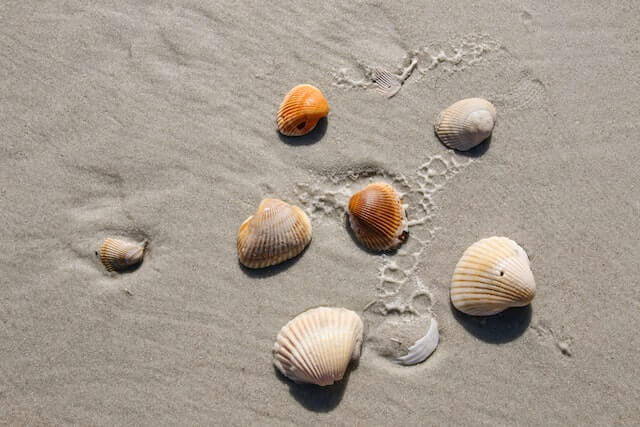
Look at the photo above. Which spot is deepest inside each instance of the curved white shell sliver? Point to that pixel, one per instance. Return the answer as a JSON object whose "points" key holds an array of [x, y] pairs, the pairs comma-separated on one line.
{"points": [[422, 348]]}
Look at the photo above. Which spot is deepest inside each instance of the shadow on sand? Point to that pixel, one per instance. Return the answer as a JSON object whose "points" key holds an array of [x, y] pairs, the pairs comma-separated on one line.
{"points": [[274, 269], [499, 328], [476, 151], [311, 138], [316, 398]]}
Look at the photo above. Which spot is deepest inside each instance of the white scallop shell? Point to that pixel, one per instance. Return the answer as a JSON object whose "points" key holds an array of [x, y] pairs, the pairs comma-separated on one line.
{"points": [[317, 345], [492, 275], [119, 255], [387, 84], [422, 348], [466, 123]]}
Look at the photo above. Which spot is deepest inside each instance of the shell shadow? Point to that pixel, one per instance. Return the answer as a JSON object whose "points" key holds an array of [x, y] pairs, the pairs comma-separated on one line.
{"points": [[316, 398], [476, 151], [499, 328], [274, 269], [127, 270], [311, 138], [363, 247]]}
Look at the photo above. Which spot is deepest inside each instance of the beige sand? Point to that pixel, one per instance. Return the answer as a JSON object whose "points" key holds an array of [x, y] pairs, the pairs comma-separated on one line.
{"points": [[156, 120]]}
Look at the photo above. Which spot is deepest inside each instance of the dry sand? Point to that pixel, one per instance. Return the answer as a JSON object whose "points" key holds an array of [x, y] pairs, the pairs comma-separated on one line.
{"points": [[156, 120]]}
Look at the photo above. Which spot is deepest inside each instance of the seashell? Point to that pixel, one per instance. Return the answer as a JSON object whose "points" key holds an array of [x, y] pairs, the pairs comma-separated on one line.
{"points": [[378, 218], [423, 348], [317, 346], [466, 123], [387, 84], [119, 255], [301, 109], [492, 275], [277, 232]]}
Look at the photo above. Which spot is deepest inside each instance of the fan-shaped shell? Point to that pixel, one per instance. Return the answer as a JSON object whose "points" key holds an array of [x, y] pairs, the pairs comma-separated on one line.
{"points": [[422, 348], [492, 275], [377, 217], [277, 232], [301, 109], [317, 345], [466, 123], [119, 255]]}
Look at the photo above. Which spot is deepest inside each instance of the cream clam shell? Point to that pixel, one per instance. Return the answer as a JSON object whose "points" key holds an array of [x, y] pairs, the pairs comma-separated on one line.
{"points": [[277, 232], [466, 123], [318, 345], [492, 275]]}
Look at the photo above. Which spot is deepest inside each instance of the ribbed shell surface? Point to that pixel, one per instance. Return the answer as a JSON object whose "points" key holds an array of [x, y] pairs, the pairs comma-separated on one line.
{"points": [[301, 109], [377, 217], [466, 123], [317, 345], [118, 255], [492, 275], [277, 232]]}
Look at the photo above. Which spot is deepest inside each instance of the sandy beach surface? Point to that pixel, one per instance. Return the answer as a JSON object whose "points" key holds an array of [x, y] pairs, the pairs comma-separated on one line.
{"points": [[156, 120]]}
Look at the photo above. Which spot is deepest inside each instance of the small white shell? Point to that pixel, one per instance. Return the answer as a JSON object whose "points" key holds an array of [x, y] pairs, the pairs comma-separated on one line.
{"points": [[423, 348], [317, 345], [119, 255], [466, 123], [387, 84], [492, 275]]}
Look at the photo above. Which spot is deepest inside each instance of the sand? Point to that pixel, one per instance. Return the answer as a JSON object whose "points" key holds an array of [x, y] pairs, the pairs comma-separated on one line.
{"points": [[156, 120]]}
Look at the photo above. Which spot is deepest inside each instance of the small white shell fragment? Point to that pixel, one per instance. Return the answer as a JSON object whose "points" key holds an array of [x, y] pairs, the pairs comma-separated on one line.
{"points": [[387, 84], [422, 348]]}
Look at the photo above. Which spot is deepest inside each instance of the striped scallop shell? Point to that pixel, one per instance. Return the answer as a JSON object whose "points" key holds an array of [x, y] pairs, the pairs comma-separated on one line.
{"points": [[301, 109], [377, 217], [277, 232], [492, 275], [466, 123], [118, 255], [318, 345]]}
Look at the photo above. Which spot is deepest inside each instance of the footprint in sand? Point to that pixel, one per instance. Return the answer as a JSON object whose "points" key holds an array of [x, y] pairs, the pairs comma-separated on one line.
{"points": [[401, 310]]}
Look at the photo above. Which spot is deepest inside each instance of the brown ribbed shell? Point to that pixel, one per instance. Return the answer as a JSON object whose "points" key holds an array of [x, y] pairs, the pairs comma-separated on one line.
{"points": [[466, 123], [277, 232], [318, 345], [492, 275], [377, 217], [118, 255], [301, 109]]}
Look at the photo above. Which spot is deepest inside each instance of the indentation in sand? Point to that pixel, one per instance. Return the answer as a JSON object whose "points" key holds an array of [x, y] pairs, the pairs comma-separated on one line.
{"points": [[450, 56], [547, 335]]}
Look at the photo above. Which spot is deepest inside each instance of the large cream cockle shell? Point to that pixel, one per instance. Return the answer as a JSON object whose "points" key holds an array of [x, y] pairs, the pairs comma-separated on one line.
{"points": [[492, 275], [277, 232], [466, 123], [318, 345]]}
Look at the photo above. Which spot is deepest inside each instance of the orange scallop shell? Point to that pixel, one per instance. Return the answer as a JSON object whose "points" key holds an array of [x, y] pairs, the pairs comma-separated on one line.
{"points": [[301, 109], [377, 217]]}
